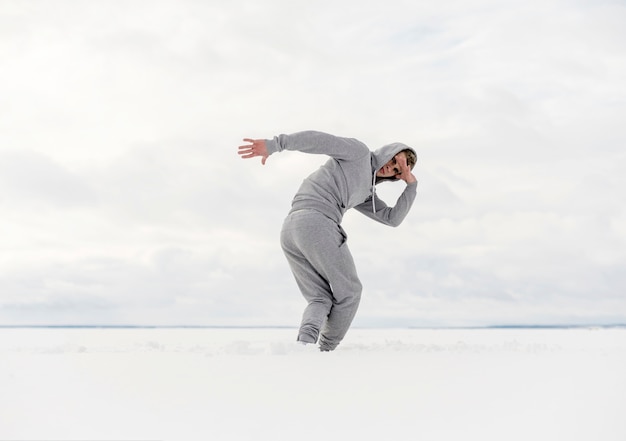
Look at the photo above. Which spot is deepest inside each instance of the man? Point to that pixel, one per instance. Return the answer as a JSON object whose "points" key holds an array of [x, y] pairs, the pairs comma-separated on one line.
{"points": [[312, 238]]}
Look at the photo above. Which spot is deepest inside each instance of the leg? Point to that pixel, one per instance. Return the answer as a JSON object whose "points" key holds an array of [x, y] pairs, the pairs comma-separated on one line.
{"points": [[324, 269], [346, 288], [314, 288], [315, 291]]}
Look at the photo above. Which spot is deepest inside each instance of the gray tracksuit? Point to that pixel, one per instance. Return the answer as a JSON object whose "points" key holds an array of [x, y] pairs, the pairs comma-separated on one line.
{"points": [[312, 238]]}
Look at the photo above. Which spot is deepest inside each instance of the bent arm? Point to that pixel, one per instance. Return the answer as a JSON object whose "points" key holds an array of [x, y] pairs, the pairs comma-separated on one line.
{"points": [[391, 216]]}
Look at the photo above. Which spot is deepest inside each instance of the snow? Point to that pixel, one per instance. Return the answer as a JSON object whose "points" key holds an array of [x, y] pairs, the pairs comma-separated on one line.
{"points": [[258, 384]]}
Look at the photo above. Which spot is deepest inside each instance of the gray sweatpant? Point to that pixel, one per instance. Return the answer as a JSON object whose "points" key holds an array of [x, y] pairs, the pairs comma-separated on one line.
{"points": [[322, 265]]}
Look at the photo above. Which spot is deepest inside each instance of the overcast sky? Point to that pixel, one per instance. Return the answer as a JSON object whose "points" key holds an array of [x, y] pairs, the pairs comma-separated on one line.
{"points": [[123, 200]]}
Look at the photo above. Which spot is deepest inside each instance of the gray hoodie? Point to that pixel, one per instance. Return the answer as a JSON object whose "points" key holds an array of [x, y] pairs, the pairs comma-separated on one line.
{"points": [[348, 179]]}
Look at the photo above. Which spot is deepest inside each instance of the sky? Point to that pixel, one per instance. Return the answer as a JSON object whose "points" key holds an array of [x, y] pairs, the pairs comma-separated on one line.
{"points": [[124, 201]]}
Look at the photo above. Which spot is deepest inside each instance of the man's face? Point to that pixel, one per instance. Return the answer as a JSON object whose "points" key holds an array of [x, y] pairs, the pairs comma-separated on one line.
{"points": [[394, 167]]}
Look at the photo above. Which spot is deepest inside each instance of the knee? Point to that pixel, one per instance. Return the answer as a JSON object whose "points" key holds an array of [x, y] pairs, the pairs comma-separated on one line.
{"points": [[352, 295], [357, 290], [356, 298]]}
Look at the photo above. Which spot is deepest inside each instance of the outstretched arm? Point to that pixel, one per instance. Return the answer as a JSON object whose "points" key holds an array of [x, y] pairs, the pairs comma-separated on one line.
{"points": [[306, 142], [256, 147], [319, 143]]}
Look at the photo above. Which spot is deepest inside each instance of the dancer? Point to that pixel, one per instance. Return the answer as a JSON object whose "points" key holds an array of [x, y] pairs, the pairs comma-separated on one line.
{"points": [[312, 237]]}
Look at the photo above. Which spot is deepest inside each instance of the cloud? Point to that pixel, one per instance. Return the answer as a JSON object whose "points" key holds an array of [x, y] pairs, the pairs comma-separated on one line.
{"points": [[125, 200], [30, 178]]}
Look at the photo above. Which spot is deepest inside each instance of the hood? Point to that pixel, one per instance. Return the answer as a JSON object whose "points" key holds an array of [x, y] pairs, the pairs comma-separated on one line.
{"points": [[384, 154]]}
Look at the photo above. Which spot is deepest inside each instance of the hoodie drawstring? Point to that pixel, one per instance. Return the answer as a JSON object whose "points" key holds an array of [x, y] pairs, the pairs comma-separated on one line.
{"points": [[374, 193]]}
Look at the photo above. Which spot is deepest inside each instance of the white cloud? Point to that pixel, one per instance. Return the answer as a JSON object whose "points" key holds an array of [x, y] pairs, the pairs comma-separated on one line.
{"points": [[124, 201], [32, 178]]}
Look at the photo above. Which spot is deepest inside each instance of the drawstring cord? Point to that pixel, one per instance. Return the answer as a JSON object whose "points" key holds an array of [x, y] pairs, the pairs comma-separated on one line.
{"points": [[374, 193]]}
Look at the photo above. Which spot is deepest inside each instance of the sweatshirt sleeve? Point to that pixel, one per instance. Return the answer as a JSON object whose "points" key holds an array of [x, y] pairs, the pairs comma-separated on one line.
{"points": [[318, 143], [392, 216]]}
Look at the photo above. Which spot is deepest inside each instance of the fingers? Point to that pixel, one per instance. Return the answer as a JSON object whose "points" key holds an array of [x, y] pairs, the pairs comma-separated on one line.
{"points": [[248, 150], [405, 171], [401, 159], [247, 146], [254, 149], [253, 142]]}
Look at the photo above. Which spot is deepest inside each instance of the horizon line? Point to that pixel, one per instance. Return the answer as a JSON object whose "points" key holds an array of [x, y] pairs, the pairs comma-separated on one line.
{"points": [[130, 326]]}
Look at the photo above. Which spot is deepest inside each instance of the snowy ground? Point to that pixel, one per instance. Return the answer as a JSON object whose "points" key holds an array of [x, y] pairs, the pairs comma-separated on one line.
{"points": [[257, 384]]}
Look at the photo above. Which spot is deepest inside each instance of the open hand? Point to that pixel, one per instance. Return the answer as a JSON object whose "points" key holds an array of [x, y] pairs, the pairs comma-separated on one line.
{"points": [[255, 148], [405, 171]]}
